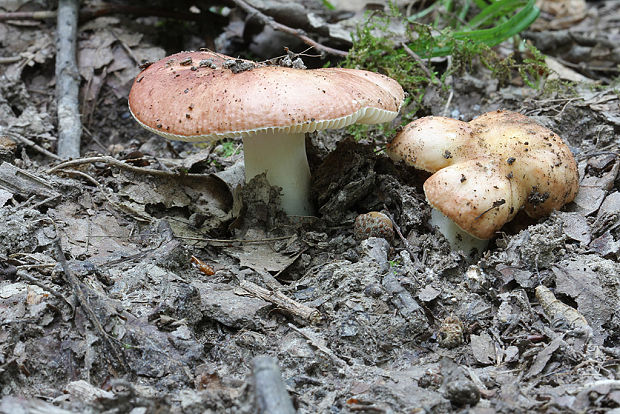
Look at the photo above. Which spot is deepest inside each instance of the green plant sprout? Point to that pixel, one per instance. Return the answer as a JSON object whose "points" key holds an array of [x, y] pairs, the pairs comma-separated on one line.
{"points": [[408, 59], [229, 148], [395, 263]]}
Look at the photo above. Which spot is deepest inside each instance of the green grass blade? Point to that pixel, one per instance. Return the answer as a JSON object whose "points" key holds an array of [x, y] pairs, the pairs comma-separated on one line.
{"points": [[493, 36], [509, 28], [422, 13], [496, 10], [328, 5], [463, 12], [482, 4]]}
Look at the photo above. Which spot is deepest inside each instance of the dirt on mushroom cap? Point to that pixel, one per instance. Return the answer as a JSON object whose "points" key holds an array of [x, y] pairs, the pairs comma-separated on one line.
{"points": [[490, 168], [180, 99], [536, 156]]}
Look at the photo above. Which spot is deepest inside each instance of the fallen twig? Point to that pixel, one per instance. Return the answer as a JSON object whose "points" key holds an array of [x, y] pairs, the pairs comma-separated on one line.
{"points": [[402, 238], [25, 276], [117, 163], [34, 146], [320, 346], [283, 302], [286, 29], [418, 59], [232, 241], [31, 15], [10, 59], [271, 394], [136, 215], [83, 301], [107, 9], [67, 81]]}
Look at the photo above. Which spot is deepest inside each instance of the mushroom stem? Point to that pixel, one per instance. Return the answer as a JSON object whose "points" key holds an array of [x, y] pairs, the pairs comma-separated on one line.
{"points": [[457, 237], [283, 157]]}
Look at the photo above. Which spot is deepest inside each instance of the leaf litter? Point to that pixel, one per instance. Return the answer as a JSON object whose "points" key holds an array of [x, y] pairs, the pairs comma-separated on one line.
{"points": [[396, 329]]}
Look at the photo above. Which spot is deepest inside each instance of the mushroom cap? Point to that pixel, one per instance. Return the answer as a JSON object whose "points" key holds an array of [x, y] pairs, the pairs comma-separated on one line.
{"points": [[500, 163], [195, 96], [429, 143], [474, 196], [538, 159]]}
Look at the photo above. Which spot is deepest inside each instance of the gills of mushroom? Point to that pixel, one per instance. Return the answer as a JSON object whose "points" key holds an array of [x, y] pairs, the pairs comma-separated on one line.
{"points": [[492, 167], [206, 96]]}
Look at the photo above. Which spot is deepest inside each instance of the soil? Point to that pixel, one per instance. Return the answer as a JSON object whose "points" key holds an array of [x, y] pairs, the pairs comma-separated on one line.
{"points": [[122, 290]]}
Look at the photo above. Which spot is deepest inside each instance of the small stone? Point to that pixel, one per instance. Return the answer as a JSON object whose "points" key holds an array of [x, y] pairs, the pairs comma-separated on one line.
{"points": [[462, 392], [299, 64], [286, 62], [207, 63], [373, 224], [238, 65], [430, 379], [374, 290]]}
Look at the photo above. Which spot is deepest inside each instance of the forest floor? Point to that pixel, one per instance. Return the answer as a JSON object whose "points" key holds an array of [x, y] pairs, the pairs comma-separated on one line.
{"points": [[174, 283]]}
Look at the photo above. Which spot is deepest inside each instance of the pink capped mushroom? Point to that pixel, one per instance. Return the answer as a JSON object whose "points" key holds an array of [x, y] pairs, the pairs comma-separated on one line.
{"points": [[206, 96]]}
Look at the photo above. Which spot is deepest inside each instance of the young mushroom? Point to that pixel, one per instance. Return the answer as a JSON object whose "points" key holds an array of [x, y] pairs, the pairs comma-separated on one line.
{"points": [[486, 171], [206, 96]]}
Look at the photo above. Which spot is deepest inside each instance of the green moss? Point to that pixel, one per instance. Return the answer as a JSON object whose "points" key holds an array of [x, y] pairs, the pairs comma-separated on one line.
{"points": [[228, 148], [375, 49]]}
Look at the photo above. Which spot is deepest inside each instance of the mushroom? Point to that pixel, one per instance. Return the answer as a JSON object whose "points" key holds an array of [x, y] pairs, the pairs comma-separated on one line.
{"points": [[206, 96], [485, 171]]}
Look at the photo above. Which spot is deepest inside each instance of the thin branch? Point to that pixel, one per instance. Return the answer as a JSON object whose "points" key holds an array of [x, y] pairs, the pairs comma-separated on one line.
{"points": [[107, 9], [117, 163], [286, 29], [25, 276], [403, 239], [271, 394], [136, 215], [67, 81], [319, 344], [232, 241], [418, 59], [31, 15], [35, 146], [74, 282], [10, 59], [283, 302]]}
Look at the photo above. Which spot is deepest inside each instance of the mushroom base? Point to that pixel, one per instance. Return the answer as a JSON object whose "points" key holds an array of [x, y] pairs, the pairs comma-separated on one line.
{"points": [[457, 237], [283, 158]]}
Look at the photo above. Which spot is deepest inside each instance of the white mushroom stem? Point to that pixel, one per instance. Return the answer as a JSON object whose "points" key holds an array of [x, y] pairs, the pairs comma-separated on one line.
{"points": [[283, 157], [457, 237]]}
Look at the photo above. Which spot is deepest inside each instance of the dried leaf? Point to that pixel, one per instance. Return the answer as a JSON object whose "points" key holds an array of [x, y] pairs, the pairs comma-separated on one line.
{"points": [[483, 348], [576, 226], [543, 357], [593, 283]]}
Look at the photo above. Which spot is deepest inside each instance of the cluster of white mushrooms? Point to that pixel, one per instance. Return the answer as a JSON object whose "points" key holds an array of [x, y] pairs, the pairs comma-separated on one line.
{"points": [[484, 171]]}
